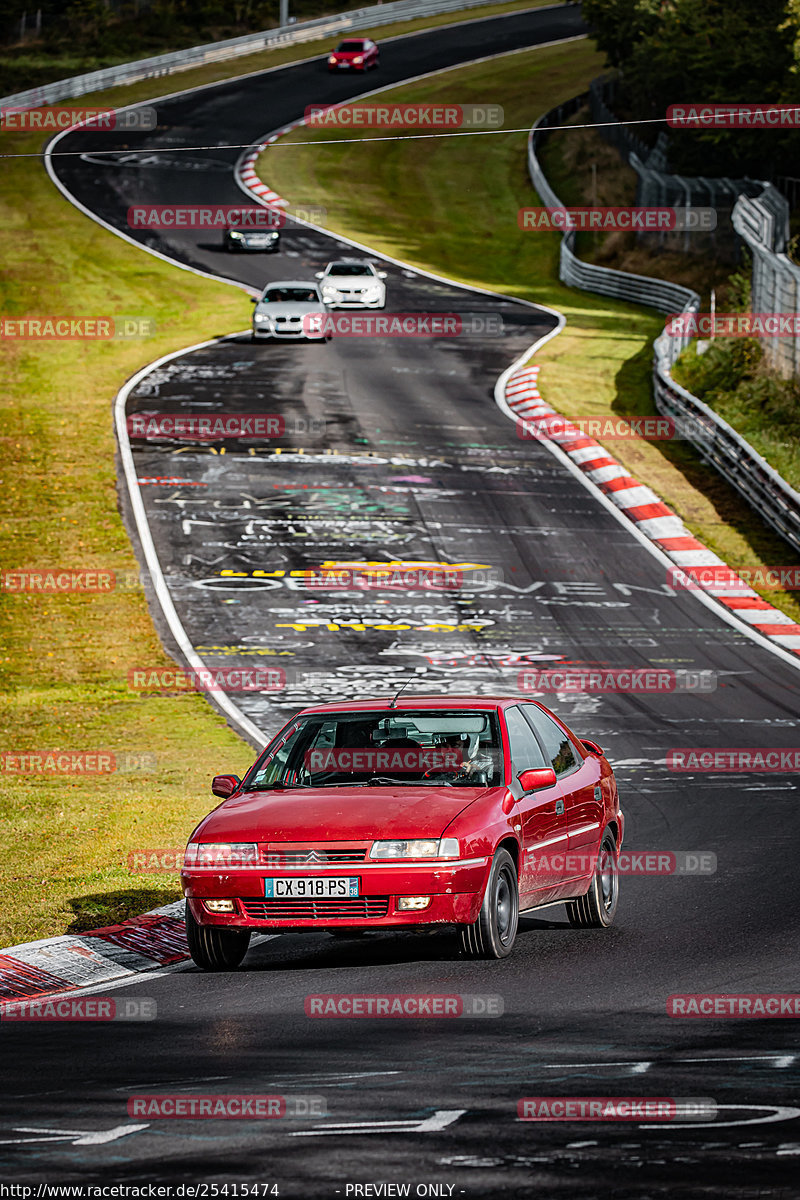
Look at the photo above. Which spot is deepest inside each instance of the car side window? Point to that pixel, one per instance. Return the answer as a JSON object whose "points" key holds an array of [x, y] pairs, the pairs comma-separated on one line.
{"points": [[525, 750], [560, 753]]}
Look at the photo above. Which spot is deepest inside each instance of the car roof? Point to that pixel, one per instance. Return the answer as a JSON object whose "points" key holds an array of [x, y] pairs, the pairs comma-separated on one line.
{"points": [[286, 283], [413, 702], [352, 262]]}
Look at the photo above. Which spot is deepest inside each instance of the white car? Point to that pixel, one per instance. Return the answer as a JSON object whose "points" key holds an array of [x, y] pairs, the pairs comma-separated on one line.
{"points": [[352, 283], [290, 309]]}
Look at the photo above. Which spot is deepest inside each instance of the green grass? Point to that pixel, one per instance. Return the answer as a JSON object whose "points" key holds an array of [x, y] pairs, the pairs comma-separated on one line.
{"points": [[450, 206], [732, 378]]}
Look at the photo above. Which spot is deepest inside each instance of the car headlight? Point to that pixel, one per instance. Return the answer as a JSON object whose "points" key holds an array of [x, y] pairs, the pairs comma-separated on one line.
{"points": [[332, 59], [416, 848], [372, 293], [330, 293], [220, 855], [261, 318], [234, 233], [359, 58]]}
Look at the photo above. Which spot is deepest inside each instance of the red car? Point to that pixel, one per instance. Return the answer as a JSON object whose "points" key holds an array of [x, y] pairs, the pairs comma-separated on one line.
{"points": [[418, 811], [354, 54]]}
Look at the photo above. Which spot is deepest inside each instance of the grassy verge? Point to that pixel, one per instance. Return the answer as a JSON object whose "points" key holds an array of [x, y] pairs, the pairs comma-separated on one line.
{"points": [[731, 377], [451, 207], [64, 841]]}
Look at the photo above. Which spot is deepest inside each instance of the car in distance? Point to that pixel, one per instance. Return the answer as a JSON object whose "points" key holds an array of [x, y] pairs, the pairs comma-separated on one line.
{"points": [[289, 309], [236, 238], [354, 54], [352, 283], [422, 811]]}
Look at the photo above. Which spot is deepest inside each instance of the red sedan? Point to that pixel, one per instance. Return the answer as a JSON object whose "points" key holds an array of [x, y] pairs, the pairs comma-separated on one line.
{"points": [[354, 54], [384, 814]]}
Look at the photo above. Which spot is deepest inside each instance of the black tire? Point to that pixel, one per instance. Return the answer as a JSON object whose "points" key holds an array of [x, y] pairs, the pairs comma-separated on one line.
{"points": [[494, 932], [598, 907], [213, 947]]}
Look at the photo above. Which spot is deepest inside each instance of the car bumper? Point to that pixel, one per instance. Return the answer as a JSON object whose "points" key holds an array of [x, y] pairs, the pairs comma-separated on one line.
{"points": [[355, 304], [268, 335], [265, 248], [455, 892]]}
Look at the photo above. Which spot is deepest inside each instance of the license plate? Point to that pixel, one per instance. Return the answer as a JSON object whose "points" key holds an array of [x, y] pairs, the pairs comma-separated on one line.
{"points": [[311, 887]]}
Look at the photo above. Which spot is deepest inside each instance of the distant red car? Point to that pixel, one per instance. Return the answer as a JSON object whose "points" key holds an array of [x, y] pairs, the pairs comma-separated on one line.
{"points": [[354, 54], [414, 812]]}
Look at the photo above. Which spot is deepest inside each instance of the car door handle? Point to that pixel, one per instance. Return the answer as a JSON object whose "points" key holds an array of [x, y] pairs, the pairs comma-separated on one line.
{"points": [[559, 806]]}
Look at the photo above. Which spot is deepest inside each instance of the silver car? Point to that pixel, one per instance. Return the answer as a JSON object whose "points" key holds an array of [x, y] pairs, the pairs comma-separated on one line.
{"points": [[290, 309], [352, 283]]}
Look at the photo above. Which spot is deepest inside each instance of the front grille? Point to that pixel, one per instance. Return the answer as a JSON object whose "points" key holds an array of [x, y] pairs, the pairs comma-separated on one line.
{"points": [[275, 856], [368, 907]]}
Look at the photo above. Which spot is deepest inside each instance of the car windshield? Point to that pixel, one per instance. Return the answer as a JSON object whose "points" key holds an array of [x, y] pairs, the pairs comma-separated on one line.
{"points": [[350, 47], [428, 748], [290, 296], [350, 269]]}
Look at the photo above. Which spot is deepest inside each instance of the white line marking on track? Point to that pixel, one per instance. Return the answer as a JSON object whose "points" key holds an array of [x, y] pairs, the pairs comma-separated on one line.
{"points": [[437, 1121], [78, 1137]]}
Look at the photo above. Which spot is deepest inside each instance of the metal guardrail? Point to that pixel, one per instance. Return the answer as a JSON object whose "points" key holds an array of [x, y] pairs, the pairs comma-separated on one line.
{"points": [[762, 487], [250, 43], [639, 289]]}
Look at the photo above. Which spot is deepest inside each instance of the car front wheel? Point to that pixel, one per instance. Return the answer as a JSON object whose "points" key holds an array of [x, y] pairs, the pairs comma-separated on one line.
{"points": [[494, 932], [213, 947], [598, 907]]}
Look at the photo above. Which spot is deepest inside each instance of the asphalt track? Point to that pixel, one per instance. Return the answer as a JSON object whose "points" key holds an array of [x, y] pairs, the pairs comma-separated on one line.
{"points": [[418, 461]]}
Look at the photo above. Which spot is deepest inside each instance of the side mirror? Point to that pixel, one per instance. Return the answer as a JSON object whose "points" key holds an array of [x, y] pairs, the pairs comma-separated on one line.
{"points": [[383, 275], [318, 274], [536, 778], [254, 299], [592, 747], [225, 785]]}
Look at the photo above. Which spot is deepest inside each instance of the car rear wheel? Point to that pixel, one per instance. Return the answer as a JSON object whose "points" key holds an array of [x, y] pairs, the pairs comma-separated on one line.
{"points": [[597, 909], [494, 932], [214, 948]]}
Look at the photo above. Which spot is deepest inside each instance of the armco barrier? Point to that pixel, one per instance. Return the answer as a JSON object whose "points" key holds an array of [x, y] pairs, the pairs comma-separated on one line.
{"points": [[773, 499], [762, 487], [249, 43]]}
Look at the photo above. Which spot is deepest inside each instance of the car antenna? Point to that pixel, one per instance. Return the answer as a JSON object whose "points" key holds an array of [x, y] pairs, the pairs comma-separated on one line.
{"points": [[393, 704]]}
